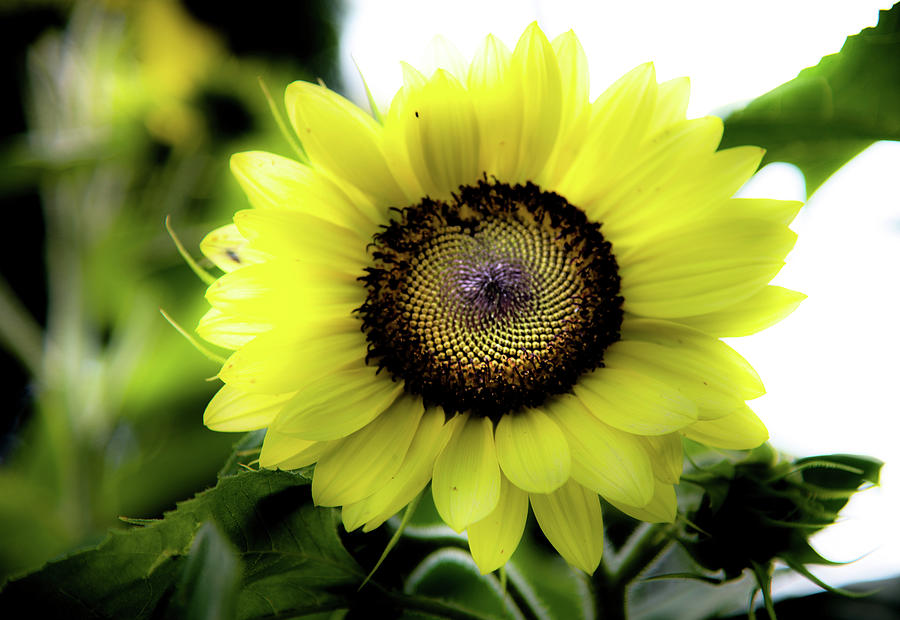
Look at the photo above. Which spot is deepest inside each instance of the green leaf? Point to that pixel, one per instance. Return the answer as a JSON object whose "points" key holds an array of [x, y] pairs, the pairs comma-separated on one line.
{"points": [[834, 478], [716, 581], [806, 573], [245, 451], [451, 574], [829, 113], [840, 472], [654, 597], [548, 586], [210, 579], [802, 553], [293, 559]]}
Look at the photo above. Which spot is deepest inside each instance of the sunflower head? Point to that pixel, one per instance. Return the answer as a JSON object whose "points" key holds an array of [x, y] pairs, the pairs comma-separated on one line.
{"points": [[493, 301], [499, 287]]}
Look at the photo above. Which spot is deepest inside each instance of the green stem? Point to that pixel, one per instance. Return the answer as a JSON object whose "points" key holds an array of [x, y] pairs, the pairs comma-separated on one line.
{"points": [[610, 597], [616, 574], [764, 579], [641, 549]]}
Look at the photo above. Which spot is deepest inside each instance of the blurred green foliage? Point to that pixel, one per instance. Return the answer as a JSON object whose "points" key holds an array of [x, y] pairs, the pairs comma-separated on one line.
{"points": [[129, 112], [275, 553]]}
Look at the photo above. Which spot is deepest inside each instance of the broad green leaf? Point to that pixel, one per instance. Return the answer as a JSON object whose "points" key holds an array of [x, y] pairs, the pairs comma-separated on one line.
{"points": [[292, 557], [451, 574], [245, 452], [829, 113], [210, 579], [663, 599], [547, 584]]}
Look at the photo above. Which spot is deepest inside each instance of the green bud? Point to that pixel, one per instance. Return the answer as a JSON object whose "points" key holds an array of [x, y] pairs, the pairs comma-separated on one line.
{"points": [[766, 507]]}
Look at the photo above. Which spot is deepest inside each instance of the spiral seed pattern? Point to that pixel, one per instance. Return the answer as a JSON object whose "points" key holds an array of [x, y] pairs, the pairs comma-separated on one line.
{"points": [[492, 302]]}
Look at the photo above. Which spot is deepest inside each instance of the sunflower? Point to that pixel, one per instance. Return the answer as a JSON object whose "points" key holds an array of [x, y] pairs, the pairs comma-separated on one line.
{"points": [[501, 288]]}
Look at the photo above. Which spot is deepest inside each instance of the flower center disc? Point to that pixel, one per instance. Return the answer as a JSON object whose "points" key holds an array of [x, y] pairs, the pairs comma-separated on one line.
{"points": [[491, 302]]}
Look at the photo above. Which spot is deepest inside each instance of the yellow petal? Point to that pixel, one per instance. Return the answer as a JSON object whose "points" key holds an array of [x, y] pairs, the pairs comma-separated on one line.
{"points": [[494, 539], [575, 115], [633, 402], [532, 451], [286, 292], [702, 268], [305, 457], [656, 165], [606, 460], [277, 362], [442, 135], [667, 455], [441, 53], [741, 430], [365, 460], [291, 234], [232, 410], [466, 483], [394, 137], [229, 331], [337, 404], [694, 375], [275, 182], [612, 139], [287, 452], [413, 79], [342, 139], [699, 366], [700, 355], [671, 104], [534, 61], [661, 509], [499, 108], [699, 187], [763, 309], [228, 249], [571, 520], [414, 473], [575, 78], [781, 211]]}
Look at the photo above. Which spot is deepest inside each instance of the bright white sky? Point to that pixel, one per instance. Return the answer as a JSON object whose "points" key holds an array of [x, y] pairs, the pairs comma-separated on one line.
{"points": [[831, 369]]}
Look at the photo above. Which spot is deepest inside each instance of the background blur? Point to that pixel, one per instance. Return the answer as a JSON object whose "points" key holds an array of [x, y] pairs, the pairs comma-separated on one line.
{"points": [[122, 113]]}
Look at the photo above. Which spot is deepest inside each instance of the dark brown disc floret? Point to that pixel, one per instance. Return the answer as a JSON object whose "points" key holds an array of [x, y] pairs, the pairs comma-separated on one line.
{"points": [[493, 301]]}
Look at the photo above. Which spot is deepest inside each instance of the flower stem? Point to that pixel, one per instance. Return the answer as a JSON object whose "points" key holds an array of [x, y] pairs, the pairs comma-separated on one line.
{"points": [[616, 573], [763, 576], [609, 596]]}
